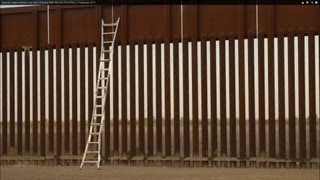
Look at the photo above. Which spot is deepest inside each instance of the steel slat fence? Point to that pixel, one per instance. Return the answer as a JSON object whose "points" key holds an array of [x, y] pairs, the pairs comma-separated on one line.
{"points": [[222, 100]]}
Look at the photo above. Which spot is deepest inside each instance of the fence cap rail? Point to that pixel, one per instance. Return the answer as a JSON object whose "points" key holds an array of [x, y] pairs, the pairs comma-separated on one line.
{"points": [[154, 40]]}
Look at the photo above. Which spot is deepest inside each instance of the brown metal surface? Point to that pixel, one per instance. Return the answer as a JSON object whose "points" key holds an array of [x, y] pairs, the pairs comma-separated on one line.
{"points": [[66, 101], [82, 95], [242, 105], [262, 120], [159, 117], [149, 105], [282, 115], [176, 94], [5, 98], [116, 99], [223, 113], [74, 119], [132, 65], [195, 104], [186, 101], [312, 95], [19, 101], [232, 97], [214, 104], [252, 119], [42, 102], [50, 99], [90, 81], [27, 101], [125, 115], [204, 104], [271, 70], [28, 25], [35, 105], [141, 93], [291, 92], [302, 100], [167, 103], [59, 99], [11, 90]]}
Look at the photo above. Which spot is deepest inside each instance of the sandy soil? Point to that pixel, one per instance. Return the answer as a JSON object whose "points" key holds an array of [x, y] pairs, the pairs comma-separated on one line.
{"points": [[135, 173]]}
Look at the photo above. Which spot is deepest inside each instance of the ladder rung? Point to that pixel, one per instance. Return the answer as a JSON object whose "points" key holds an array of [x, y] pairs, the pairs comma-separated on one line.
{"points": [[105, 51], [109, 33], [90, 161], [96, 124], [99, 105], [104, 69], [100, 97], [109, 24], [104, 60], [101, 87], [95, 133], [93, 152], [107, 42], [93, 142], [104, 78]]}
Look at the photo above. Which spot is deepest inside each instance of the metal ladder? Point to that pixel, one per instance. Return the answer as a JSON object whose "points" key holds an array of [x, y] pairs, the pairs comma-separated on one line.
{"points": [[92, 152]]}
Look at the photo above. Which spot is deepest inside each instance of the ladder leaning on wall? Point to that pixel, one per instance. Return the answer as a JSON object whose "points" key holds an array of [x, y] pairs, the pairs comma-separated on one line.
{"points": [[92, 152]]}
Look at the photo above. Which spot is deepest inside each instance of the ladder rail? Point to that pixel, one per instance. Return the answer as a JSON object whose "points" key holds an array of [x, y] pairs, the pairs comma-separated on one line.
{"points": [[91, 130], [103, 93], [102, 81], [100, 67]]}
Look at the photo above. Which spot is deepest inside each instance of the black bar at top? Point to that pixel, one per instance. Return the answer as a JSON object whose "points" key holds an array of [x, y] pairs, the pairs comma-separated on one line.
{"points": [[160, 2]]}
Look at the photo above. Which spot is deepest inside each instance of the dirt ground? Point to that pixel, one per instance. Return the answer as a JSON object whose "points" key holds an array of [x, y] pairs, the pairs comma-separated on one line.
{"points": [[134, 173]]}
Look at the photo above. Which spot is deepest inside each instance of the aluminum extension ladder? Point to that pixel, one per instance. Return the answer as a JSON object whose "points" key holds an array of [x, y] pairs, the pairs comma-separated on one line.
{"points": [[92, 152]]}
